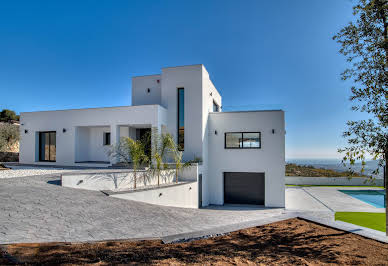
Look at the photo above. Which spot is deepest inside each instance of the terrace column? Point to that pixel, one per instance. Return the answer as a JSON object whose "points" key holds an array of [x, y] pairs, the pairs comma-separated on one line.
{"points": [[114, 139]]}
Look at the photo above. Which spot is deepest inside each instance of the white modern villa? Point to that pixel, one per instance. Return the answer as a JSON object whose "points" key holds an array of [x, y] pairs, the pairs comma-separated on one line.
{"points": [[242, 152]]}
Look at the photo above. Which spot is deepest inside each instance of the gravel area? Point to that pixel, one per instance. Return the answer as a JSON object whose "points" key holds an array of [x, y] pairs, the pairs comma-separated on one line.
{"points": [[21, 171], [289, 242]]}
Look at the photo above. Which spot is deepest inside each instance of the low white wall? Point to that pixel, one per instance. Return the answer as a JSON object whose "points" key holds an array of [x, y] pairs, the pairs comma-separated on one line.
{"points": [[182, 195], [189, 173], [115, 180], [340, 181]]}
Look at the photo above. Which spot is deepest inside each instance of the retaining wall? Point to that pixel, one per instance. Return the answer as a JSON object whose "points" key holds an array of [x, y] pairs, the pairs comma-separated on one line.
{"points": [[181, 195], [115, 180]]}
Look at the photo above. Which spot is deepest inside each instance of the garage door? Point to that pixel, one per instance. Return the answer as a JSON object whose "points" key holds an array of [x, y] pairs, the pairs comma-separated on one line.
{"points": [[244, 188]]}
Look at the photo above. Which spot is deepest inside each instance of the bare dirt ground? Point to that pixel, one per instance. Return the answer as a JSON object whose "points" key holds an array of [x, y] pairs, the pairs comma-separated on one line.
{"points": [[293, 241]]}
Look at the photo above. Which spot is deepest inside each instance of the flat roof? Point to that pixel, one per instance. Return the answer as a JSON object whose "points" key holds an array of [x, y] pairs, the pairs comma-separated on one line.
{"points": [[248, 111], [150, 75], [183, 66], [92, 108]]}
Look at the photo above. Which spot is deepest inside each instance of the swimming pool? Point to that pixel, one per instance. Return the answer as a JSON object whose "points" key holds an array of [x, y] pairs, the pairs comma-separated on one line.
{"points": [[373, 197]]}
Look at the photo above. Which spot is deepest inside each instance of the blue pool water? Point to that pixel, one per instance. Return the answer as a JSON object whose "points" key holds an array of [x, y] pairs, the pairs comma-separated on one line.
{"points": [[373, 197]]}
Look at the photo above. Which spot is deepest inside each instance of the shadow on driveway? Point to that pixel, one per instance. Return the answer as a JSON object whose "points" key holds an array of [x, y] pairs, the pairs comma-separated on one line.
{"points": [[55, 182]]}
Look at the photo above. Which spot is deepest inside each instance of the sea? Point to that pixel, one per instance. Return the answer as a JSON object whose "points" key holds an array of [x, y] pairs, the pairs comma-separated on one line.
{"points": [[336, 164]]}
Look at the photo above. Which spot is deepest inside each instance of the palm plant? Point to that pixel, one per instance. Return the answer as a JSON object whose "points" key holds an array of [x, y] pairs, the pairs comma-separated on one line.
{"points": [[137, 154], [162, 144], [178, 159], [129, 151]]}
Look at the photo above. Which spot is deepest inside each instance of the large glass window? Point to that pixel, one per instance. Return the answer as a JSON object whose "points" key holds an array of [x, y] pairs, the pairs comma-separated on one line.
{"points": [[233, 140], [243, 140], [47, 146], [251, 140], [181, 119]]}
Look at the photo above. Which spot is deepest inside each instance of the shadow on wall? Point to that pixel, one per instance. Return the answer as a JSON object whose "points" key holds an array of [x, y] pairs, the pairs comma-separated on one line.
{"points": [[117, 181], [150, 178]]}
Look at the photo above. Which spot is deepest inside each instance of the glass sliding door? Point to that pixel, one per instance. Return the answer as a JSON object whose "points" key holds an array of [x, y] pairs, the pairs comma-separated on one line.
{"points": [[47, 146]]}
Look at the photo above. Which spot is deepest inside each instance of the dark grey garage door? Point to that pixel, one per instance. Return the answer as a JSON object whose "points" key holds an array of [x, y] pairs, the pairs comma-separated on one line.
{"points": [[244, 188]]}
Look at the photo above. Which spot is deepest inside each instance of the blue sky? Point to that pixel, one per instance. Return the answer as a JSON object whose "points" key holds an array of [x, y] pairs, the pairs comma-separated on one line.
{"points": [[260, 55]]}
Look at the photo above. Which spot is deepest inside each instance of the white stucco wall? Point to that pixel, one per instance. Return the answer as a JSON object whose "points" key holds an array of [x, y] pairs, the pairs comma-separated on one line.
{"points": [[90, 145], [97, 149], [189, 78], [209, 94], [183, 196], [270, 159], [140, 94], [189, 173], [81, 144], [115, 180], [66, 142]]}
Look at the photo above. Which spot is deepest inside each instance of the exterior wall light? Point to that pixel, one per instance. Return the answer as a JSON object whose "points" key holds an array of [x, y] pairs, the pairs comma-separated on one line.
{"points": [[25, 131], [273, 131], [211, 94], [64, 130], [160, 194], [148, 90], [215, 132]]}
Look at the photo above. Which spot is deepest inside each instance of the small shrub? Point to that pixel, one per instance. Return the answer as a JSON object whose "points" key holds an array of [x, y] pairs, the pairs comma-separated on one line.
{"points": [[9, 135]]}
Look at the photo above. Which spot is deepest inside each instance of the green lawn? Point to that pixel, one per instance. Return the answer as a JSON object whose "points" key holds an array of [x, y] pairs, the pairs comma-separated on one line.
{"points": [[371, 220]]}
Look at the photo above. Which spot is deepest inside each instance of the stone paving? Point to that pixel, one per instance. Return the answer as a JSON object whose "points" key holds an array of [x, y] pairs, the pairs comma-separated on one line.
{"points": [[36, 209], [326, 199]]}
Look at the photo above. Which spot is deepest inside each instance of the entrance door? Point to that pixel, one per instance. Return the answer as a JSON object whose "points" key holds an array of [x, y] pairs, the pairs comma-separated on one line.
{"points": [[144, 134], [47, 146]]}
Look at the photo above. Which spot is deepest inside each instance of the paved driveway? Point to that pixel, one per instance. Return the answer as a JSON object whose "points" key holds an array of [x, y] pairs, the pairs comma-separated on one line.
{"points": [[35, 209]]}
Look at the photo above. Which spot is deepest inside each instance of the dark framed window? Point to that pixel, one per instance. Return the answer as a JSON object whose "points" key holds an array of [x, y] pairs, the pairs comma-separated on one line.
{"points": [[106, 140], [47, 146], [216, 108], [181, 119], [242, 140]]}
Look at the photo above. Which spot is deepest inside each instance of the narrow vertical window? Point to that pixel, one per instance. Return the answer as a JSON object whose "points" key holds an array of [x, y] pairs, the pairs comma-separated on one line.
{"points": [[106, 140], [216, 108], [181, 119]]}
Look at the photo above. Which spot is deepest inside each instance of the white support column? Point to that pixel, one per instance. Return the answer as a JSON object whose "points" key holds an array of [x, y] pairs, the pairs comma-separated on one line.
{"points": [[114, 139]]}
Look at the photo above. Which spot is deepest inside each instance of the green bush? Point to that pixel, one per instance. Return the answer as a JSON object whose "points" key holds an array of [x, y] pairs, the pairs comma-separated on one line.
{"points": [[9, 135], [8, 115]]}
